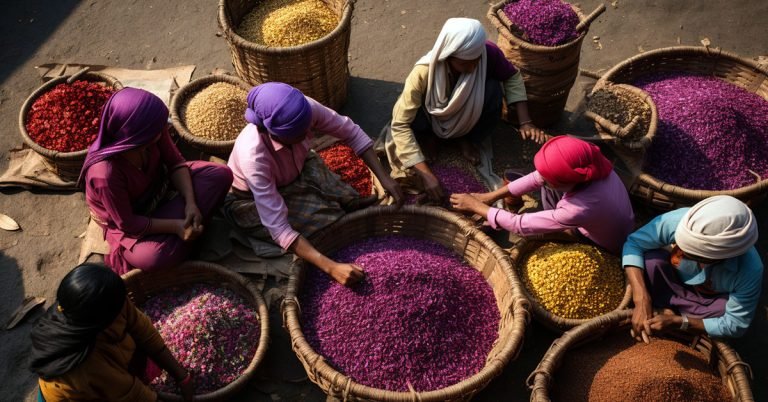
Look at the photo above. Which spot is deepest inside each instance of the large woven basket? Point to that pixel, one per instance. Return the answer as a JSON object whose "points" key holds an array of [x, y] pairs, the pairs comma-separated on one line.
{"points": [[451, 231], [733, 371], [548, 71], [320, 69], [143, 285], [179, 103], [554, 322], [66, 165], [700, 61]]}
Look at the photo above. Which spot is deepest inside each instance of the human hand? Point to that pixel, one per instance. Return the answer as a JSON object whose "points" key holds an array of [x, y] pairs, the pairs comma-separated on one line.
{"points": [[641, 315], [528, 131], [392, 187], [187, 232], [187, 387], [664, 322], [431, 186], [347, 274], [466, 203], [485, 198]]}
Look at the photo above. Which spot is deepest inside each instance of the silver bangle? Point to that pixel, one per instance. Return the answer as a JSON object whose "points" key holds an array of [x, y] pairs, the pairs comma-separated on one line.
{"points": [[684, 324]]}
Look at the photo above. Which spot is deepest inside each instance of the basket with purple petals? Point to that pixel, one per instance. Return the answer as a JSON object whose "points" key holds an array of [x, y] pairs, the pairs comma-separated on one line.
{"points": [[438, 315], [712, 129], [220, 311], [543, 38]]}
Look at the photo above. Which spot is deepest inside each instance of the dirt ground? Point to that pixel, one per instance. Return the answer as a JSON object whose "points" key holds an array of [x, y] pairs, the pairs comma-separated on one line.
{"points": [[387, 37]]}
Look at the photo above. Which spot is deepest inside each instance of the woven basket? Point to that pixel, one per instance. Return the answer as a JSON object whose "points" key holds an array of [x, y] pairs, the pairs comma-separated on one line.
{"points": [[615, 133], [179, 103], [556, 323], [733, 371], [143, 285], [66, 165], [548, 71], [700, 61], [451, 231], [319, 69]]}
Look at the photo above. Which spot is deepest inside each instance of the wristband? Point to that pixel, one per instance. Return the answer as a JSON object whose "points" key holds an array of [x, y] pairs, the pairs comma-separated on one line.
{"points": [[522, 123], [684, 324]]}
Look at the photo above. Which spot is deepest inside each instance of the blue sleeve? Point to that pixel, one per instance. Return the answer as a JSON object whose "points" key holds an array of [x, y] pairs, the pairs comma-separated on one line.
{"points": [[742, 301], [657, 233]]}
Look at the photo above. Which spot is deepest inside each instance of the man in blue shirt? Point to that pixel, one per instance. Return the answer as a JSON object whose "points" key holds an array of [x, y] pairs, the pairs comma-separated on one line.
{"points": [[708, 276]]}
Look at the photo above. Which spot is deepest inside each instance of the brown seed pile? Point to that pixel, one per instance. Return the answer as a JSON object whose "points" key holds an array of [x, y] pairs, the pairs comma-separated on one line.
{"points": [[286, 23], [620, 369], [217, 112], [621, 106], [574, 280]]}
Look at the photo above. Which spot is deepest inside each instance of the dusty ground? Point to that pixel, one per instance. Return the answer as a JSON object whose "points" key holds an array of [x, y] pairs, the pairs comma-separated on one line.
{"points": [[387, 37]]}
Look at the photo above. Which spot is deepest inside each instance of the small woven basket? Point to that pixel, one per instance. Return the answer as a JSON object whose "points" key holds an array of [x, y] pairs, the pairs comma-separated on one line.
{"points": [[554, 322], [734, 372], [143, 285], [607, 129], [66, 165], [179, 103], [548, 71], [705, 61], [451, 231], [320, 69]]}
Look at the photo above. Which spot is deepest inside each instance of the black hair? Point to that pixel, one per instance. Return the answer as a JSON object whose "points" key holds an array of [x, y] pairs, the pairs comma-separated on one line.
{"points": [[91, 294]]}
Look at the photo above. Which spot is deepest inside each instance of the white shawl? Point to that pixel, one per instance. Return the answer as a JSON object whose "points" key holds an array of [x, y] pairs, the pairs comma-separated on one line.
{"points": [[454, 114]]}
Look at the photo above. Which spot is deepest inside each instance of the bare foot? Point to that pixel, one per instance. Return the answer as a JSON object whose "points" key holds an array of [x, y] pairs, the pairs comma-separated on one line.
{"points": [[470, 152]]}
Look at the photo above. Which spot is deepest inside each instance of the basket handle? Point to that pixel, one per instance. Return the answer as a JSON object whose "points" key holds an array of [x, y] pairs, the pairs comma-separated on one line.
{"points": [[77, 75], [590, 74], [612, 127], [590, 18]]}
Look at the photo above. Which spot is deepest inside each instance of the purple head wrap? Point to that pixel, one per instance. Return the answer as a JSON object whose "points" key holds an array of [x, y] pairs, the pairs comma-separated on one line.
{"points": [[131, 118], [280, 108]]}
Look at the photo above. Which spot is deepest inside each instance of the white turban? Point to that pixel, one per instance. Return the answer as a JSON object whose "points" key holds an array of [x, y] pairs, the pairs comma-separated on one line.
{"points": [[717, 228], [454, 113]]}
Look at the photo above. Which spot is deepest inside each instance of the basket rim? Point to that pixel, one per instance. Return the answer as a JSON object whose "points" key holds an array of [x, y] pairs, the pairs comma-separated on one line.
{"points": [[230, 277], [541, 314], [645, 141], [185, 94], [541, 379], [230, 33], [468, 386], [92, 76], [654, 183], [502, 28]]}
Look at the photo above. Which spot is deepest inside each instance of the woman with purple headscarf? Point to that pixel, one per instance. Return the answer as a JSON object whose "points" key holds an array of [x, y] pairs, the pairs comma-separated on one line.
{"points": [[282, 192], [150, 202]]}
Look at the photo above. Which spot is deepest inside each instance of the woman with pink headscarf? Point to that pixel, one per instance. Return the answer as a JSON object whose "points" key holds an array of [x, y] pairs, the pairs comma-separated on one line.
{"points": [[282, 191], [580, 194], [150, 202]]}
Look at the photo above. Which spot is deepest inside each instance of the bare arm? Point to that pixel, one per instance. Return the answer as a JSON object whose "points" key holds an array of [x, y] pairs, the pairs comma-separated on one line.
{"points": [[345, 274]]}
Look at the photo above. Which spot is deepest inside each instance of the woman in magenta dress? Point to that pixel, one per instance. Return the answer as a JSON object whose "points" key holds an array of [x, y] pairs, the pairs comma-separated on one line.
{"points": [[150, 202]]}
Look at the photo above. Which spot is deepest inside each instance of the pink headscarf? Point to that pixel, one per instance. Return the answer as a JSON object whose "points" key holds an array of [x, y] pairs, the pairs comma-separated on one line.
{"points": [[565, 161], [131, 118]]}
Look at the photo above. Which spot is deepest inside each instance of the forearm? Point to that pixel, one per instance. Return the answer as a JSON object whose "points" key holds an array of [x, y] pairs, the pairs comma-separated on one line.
{"points": [[166, 361], [182, 181], [372, 161], [306, 251], [164, 226], [523, 115], [422, 168], [636, 279], [498, 194]]}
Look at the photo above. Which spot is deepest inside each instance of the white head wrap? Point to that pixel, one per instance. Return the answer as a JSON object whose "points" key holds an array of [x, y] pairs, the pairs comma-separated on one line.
{"points": [[717, 228], [453, 114]]}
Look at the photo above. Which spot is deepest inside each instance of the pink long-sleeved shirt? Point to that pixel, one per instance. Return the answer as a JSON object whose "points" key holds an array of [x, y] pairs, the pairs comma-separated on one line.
{"points": [[261, 165], [600, 210]]}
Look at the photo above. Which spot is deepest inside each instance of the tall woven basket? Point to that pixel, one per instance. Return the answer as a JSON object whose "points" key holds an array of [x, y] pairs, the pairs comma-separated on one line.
{"points": [[548, 71], [319, 69], [179, 103], [733, 371], [66, 165], [695, 60], [143, 285], [451, 231], [554, 322]]}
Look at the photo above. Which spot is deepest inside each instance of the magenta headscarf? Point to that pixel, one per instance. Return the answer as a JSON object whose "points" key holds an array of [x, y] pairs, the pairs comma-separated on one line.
{"points": [[280, 108], [564, 161], [131, 118]]}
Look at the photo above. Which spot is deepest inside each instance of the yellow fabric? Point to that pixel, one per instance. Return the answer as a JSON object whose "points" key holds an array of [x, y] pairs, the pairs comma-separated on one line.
{"points": [[104, 376]]}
